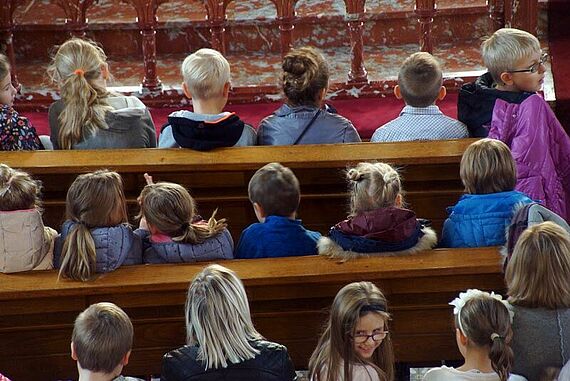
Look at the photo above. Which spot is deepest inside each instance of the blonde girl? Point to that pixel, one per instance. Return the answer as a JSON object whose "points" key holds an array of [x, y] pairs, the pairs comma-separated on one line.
{"points": [[538, 282], [95, 237], [304, 118], [26, 244], [356, 344], [173, 232], [88, 116], [377, 222], [483, 334]]}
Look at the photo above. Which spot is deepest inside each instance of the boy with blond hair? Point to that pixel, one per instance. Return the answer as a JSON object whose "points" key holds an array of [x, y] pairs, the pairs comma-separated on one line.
{"points": [[275, 194], [503, 104], [101, 343], [206, 76], [420, 84]]}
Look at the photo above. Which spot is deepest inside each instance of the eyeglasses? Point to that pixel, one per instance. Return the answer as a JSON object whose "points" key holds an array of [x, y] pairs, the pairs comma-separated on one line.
{"points": [[534, 68], [378, 336]]}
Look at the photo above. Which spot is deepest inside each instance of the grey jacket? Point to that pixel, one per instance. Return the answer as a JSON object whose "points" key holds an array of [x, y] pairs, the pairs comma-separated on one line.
{"points": [[130, 126], [287, 123], [541, 338], [218, 247], [115, 246]]}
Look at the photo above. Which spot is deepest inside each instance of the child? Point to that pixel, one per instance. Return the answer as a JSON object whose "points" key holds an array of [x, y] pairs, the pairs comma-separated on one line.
{"points": [[481, 216], [504, 105], [377, 222], [420, 84], [207, 82], [16, 132], [303, 119], [26, 244], [172, 232], [95, 236], [538, 283], [101, 343], [88, 116], [274, 192], [355, 345], [483, 334]]}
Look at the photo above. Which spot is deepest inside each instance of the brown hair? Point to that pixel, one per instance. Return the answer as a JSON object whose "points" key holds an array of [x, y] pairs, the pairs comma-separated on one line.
{"points": [[486, 322], [93, 200], [18, 191], [276, 189], [336, 346], [4, 66], [170, 208], [102, 336], [420, 79], [538, 274], [487, 166], [305, 75], [372, 186], [76, 68]]}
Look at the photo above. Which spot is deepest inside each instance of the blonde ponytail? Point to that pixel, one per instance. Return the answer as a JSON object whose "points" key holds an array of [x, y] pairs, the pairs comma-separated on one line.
{"points": [[78, 257], [372, 186]]}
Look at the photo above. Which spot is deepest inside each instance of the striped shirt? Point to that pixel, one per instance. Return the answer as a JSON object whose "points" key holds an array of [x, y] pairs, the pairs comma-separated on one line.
{"points": [[420, 123]]}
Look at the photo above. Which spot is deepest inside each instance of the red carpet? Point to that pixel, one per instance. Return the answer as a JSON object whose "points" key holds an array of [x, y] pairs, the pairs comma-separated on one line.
{"points": [[366, 114], [559, 36]]}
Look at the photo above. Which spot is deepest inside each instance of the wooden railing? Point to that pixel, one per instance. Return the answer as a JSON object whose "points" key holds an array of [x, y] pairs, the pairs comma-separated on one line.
{"points": [[516, 13]]}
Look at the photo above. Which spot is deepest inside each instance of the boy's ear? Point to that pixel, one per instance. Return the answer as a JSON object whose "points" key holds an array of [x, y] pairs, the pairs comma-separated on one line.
{"points": [[186, 90], [226, 90], [73, 354], [507, 78], [259, 212], [397, 92], [442, 93], [125, 359]]}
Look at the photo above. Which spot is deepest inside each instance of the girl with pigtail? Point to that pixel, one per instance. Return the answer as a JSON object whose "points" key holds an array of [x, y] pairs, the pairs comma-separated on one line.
{"points": [[304, 118], [88, 116], [96, 238], [171, 230], [378, 222], [483, 334]]}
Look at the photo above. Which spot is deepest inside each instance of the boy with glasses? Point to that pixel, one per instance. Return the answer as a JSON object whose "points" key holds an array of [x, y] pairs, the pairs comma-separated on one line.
{"points": [[503, 104]]}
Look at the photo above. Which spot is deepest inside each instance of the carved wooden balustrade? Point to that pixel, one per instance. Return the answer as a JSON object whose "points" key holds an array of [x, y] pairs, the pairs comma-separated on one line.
{"points": [[517, 13]]}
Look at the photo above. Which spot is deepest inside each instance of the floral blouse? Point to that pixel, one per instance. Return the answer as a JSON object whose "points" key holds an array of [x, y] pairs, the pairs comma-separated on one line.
{"points": [[16, 132]]}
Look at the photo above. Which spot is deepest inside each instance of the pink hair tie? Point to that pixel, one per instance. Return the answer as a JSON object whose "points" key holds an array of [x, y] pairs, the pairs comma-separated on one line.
{"points": [[79, 72]]}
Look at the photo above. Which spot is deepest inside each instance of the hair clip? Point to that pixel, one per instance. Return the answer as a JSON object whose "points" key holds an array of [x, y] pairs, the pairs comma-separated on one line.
{"points": [[495, 336], [79, 72]]}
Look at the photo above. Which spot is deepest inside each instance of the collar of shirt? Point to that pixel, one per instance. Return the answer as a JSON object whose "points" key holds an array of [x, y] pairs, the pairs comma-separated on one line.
{"points": [[430, 110]]}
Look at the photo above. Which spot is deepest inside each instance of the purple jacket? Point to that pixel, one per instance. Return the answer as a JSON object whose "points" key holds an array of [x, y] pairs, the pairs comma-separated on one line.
{"points": [[540, 147]]}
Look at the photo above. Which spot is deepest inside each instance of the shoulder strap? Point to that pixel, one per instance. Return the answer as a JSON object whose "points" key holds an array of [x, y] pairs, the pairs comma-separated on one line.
{"points": [[307, 127]]}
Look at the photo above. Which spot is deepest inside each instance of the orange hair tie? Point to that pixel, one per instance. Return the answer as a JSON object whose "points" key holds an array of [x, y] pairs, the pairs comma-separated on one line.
{"points": [[79, 72]]}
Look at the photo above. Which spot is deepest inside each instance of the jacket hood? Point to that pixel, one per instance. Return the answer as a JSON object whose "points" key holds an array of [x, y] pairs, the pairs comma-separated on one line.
{"points": [[126, 112], [475, 205], [206, 135], [385, 224], [477, 100]]}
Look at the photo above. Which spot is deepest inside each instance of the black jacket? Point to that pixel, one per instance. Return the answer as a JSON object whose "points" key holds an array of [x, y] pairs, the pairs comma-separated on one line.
{"points": [[272, 364]]}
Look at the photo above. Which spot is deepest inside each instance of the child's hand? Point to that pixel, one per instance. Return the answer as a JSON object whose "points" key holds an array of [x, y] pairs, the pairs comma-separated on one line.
{"points": [[148, 179]]}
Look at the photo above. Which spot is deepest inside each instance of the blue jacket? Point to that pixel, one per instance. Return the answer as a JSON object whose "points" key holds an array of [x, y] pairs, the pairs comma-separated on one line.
{"points": [[480, 219], [115, 246], [218, 247], [277, 237]]}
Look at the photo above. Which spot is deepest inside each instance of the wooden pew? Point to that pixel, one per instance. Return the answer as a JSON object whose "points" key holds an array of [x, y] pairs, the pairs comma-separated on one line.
{"points": [[219, 179], [288, 299]]}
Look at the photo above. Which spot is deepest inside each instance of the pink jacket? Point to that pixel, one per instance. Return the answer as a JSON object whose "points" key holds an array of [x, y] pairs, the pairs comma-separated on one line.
{"points": [[541, 150]]}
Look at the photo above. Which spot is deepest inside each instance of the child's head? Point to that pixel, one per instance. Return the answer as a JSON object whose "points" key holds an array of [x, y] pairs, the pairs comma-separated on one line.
{"points": [[93, 200], [305, 77], [373, 186], [218, 318], [483, 320], [514, 59], [18, 191], [169, 209], [487, 166], [80, 69], [538, 274], [7, 91], [102, 339], [274, 191], [356, 332], [420, 80], [206, 75]]}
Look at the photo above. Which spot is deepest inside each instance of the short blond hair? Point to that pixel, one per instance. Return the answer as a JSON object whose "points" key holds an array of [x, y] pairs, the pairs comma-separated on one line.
{"points": [[102, 336], [205, 72], [538, 274], [504, 48], [487, 166], [420, 79]]}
